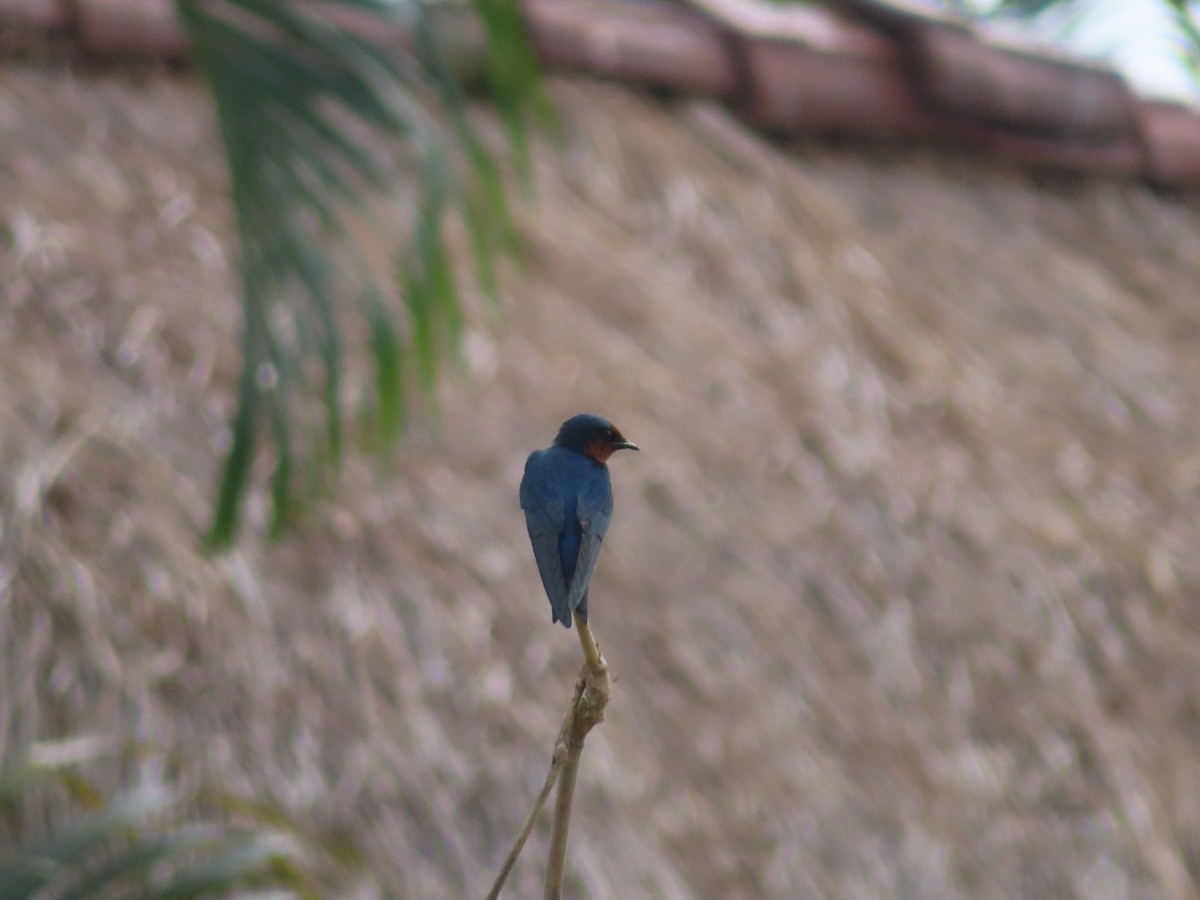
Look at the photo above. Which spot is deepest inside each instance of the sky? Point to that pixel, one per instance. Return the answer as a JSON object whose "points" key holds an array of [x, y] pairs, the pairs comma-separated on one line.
{"points": [[1139, 38], [1136, 36]]}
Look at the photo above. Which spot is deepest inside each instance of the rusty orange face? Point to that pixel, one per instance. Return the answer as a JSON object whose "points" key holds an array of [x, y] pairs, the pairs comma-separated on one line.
{"points": [[600, 451]]}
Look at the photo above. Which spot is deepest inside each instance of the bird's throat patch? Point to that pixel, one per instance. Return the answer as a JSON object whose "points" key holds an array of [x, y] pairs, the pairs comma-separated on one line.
{"points": [[600, 451]]}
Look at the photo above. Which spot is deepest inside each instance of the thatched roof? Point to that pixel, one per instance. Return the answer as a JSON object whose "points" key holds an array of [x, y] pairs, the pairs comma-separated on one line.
{"points": [[900, 591]]}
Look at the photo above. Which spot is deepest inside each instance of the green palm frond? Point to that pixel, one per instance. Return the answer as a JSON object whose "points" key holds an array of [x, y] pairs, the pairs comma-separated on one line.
{"points": [[1015, 9], [1031, 8], [1185, 14], [138, 845], [321, 125]]}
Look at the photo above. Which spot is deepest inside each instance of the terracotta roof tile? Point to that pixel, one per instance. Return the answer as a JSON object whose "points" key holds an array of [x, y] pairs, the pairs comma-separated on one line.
{"points": [[864, 68]]}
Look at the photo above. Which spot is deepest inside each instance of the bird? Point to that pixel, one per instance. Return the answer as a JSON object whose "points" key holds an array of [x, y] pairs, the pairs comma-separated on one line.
{"points": [[566, 494]]}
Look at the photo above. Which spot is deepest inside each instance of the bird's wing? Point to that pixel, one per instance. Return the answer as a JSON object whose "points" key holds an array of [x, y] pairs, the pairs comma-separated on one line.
{"points": [[594, 515], [544, 515]]}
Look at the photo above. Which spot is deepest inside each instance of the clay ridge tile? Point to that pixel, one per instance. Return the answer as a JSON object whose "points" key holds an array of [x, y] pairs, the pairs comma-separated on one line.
{"points": [[864, 68]]}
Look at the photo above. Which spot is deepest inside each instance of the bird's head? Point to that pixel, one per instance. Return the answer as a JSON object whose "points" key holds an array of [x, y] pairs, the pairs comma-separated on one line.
{"points": [[593, 436]]}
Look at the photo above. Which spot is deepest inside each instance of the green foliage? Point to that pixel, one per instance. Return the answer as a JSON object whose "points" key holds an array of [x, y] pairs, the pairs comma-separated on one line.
{"points": [[139, 846], [1014, 8], [1027, 8], [322, 126], [1018, 9], [1063, 17], [1184, 14]]}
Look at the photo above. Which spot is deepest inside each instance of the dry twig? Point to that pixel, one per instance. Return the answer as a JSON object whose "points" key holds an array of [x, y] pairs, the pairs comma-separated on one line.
{"points": [[592, 692]]}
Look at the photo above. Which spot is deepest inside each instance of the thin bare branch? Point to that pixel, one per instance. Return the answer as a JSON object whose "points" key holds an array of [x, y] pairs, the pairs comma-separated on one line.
{"points": [[592, 691], [562, 820], [556, 768], [557, 760]]}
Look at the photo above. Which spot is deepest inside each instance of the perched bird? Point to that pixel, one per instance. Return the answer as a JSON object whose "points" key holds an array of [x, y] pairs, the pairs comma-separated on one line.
{"points": [[567, 497]]}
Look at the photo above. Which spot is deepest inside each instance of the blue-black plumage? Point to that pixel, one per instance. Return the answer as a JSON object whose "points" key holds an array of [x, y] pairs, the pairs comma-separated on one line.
{"points": [[567, 497]]}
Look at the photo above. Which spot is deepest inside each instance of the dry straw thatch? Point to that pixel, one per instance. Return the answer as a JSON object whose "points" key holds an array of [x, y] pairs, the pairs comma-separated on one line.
{"points": [[901, 592]]}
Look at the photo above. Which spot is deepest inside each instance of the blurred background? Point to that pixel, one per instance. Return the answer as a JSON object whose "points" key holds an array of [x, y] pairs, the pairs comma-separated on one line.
{"points": [[900, 594]]}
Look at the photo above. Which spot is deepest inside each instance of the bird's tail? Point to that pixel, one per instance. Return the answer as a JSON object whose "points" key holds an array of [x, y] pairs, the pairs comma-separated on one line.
{"points": [[561, 612]]}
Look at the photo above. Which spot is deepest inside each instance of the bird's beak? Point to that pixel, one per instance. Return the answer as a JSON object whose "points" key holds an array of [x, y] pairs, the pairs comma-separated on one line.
{"points": [[624, 445]]}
